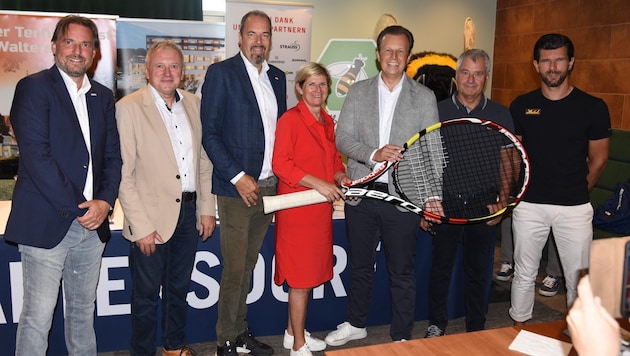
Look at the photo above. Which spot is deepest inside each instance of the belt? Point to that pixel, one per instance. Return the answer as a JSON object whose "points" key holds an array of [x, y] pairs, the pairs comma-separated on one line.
{"points": [[381, 187], [269, 182], [188, 196]]}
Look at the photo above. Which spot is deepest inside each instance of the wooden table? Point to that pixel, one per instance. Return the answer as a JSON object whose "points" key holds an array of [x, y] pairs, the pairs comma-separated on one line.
{"points": [[480, 343]]}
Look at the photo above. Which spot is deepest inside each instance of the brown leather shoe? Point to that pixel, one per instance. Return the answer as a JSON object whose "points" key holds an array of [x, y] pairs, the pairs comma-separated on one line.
{"points": [[184, 351]]}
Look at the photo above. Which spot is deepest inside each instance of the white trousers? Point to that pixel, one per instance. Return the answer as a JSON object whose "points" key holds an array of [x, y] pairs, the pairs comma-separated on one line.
{"points": [[531, 223]]}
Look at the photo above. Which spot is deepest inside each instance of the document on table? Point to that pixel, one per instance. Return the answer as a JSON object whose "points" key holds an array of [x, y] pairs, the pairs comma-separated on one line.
{"points": [[538, 345]]}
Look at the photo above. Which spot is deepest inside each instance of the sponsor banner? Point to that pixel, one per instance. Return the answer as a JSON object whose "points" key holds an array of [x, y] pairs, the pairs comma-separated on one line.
{"points": [[291, 35]]}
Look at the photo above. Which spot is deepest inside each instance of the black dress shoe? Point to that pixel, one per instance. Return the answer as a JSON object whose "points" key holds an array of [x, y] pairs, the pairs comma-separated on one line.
{"points": [[256, 348], [228, 349]]}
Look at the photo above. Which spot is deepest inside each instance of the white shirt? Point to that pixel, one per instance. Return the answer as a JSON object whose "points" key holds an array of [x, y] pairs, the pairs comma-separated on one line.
{"points": [[386, 105], [268, 107], [77, 95], [178, 128]]}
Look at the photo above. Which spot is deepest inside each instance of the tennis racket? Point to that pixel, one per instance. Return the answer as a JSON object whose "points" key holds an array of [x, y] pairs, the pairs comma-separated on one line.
{"points": [[476, 168]]}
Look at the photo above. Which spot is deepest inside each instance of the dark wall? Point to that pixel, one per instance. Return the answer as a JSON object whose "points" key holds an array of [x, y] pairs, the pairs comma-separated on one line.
{"points": [[154, 9]]}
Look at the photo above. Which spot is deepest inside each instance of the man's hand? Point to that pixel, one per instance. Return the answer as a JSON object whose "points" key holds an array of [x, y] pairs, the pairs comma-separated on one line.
{"points": [[434, 206], [493, 208], [207, 225], [248, 189], [390, 153], [98, 210], [147, 243]]}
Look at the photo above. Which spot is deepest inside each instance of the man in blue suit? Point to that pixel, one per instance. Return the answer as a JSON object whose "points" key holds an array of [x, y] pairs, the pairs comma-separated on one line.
{"points": [[67, 183], [242, 98]]}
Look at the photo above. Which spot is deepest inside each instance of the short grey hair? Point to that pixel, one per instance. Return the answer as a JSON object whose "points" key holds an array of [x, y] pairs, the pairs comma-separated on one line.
{"points": [[474, 54]]}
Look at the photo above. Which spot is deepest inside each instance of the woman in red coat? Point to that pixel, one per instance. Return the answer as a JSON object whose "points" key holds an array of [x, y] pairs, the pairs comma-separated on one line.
{"points": [[305, 157]]}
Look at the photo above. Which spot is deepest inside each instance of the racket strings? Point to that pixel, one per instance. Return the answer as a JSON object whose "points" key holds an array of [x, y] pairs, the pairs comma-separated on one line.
{"points": [[420, 172], [474, 169], [483, 178]]}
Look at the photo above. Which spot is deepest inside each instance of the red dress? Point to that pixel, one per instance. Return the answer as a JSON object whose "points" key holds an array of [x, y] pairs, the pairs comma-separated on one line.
{"points": [[304, 241]]}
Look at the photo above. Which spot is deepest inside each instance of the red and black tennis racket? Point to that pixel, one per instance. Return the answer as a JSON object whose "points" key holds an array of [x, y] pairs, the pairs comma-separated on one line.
{"points": [[477, 169]]}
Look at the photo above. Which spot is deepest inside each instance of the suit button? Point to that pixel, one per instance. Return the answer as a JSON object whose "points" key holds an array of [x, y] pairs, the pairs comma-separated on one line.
{"points": [[85, 166], [178, 200], [177, 176]]}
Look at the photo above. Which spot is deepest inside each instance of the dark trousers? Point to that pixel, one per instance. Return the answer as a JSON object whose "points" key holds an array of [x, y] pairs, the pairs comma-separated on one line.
{"points": [[478, 243], [368, 223], [170, 267]]}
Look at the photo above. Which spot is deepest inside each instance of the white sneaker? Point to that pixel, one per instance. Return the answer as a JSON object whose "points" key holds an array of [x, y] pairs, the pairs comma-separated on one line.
{"points": [[505, 273], [344, 333], [314, 344], [303, 351]]}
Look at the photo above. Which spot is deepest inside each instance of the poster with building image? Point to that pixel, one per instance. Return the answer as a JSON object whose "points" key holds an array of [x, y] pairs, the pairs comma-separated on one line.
{"points": [[202, 43]]}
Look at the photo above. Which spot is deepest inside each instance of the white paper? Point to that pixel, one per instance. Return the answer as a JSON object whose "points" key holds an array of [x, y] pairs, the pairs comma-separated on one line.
{"points": [[537, 345]]}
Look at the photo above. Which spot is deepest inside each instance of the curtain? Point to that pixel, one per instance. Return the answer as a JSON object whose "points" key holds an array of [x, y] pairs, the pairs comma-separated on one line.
{"points": [[154, 9]]}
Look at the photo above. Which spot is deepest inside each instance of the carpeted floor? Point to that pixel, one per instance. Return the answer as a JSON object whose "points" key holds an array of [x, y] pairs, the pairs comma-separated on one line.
{"points": [[545, 309]]}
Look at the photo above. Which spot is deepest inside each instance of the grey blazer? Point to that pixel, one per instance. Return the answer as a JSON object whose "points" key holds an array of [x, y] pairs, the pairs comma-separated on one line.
{"points": [[358, 125]]}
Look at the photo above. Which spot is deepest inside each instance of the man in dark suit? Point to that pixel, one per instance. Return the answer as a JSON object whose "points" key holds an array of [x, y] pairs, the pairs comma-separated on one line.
{"points": [[242, 98], [67, 184]]}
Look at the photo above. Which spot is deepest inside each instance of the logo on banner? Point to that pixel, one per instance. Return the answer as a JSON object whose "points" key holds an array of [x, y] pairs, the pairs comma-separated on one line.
{"points": [[295, 46], [348, 61]]}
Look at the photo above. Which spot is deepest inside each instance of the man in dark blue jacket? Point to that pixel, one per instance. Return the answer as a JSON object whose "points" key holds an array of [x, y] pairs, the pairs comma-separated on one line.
{"points": [[242, 98], [67, 184]]}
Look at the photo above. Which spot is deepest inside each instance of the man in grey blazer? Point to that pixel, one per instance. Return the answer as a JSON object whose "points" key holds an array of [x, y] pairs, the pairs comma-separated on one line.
{"points": [[378, 115], [165, 193]]}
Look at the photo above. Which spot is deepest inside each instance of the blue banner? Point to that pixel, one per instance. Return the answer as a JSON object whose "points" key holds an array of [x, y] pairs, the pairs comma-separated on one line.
{"points": [[267, 302]]}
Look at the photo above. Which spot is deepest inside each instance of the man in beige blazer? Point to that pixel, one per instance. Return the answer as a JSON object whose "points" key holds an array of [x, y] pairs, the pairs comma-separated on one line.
{"points": [[165, 193]]}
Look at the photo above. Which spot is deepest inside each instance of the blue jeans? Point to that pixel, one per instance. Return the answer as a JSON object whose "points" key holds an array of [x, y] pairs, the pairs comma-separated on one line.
{"points": [[76, 260], [169, 267]]}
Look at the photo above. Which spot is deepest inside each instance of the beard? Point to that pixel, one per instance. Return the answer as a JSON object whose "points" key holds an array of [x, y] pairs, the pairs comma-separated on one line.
{"points": [[74, 70], [554, 83], [257, 59]]}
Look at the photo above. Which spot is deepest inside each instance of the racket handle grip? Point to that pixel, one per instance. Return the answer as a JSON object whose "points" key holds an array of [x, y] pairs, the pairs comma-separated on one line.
{"points": [[291, 200]]}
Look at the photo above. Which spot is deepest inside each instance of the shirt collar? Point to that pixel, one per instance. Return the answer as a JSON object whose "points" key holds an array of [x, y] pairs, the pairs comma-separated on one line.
{"points": [[382, 84], [459, 105], [251, 68], [72, 86], [159, 100]]}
